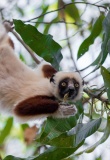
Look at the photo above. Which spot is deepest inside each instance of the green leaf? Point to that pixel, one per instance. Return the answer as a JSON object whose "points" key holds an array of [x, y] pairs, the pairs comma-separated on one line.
{"points": [[80, 108], [73, 12], [97, 28], [87, 130], [103, 138], [55, 153], [63, 141], [42, 45], [55, 127], [13, 158], [64, 151], [6, 130], [76, 135], [106, 40], [17, 158], [100, 141], [105, 47], [106, 77]]}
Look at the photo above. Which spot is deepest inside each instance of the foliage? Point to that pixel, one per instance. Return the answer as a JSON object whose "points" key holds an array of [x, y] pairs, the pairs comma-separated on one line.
{"points": [[63, 137], [50, 51], [97, 28]]}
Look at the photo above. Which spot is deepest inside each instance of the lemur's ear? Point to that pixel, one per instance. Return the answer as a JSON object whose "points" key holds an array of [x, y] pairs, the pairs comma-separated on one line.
{"points": [[52, 79], [48, 71]]}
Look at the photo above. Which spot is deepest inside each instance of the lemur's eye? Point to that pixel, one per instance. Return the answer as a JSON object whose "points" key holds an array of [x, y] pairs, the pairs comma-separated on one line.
{"points": [[63, 84], [76, 85]]}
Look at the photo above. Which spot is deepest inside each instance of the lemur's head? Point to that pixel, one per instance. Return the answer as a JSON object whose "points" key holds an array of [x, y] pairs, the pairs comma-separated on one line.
{"points": [[67, 84]]}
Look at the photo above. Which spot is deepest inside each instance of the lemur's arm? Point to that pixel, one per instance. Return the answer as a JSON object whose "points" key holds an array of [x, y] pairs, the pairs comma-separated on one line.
{"points": [[36, 105], [43, 105]]}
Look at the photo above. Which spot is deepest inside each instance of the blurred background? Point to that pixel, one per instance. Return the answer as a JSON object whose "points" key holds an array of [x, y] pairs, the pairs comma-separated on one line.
{"points": [[69, 27]]}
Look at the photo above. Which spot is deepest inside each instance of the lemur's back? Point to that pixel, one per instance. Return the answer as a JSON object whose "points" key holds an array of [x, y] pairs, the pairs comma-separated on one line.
{"points": [[17, 81]]}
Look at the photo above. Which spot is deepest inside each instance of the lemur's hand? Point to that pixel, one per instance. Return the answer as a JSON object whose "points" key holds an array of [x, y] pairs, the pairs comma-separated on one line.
{"points": [[65, 110]]}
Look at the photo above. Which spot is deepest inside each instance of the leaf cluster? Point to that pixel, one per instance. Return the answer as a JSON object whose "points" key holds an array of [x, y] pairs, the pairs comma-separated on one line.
{"points": [[63, 137]]}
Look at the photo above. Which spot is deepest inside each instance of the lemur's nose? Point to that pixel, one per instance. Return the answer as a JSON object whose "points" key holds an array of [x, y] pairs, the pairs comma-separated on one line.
{"points": [[71, 89]]}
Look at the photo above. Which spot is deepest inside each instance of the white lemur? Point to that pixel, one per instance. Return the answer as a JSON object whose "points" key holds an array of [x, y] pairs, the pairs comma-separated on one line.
{"points": [[29, 94]]}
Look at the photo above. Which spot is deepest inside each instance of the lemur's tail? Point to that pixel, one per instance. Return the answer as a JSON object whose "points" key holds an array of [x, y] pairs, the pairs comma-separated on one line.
{"points": [[4, 38]]}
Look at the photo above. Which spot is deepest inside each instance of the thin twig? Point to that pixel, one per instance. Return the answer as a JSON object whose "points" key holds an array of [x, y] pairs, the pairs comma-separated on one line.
{"points": [[71, 36], [64, 6], [57, 22], [83, 11], [85, 100], [27, 48], [99, 97], [98, 1]]}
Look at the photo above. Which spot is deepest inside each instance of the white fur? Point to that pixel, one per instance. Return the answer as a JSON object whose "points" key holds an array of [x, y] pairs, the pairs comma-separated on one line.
{"points": [[2, 31], [18, 82], [3, 35], [38, 70]]}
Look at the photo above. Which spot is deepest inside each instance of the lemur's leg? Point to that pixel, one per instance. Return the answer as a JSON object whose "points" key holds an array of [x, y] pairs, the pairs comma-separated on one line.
{"points": [[43, 105]]}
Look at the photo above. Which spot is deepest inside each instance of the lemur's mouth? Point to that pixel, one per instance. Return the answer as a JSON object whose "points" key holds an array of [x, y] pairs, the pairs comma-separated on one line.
{"points": [[66, 96], [71, 94]]}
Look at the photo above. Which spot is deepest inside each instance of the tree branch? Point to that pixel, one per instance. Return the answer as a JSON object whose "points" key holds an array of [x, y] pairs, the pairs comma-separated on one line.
{"points": [[64, 6], [97, 96], [57, 22], [9, 28], [27, 48]]}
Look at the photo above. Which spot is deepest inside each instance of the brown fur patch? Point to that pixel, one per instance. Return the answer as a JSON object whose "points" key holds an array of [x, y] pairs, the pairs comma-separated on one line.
{"points": [[48, 71], [11, 43], [36, 105]]}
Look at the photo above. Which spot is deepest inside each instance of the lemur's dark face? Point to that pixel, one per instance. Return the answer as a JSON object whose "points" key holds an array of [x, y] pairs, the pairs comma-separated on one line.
{"points": [[70, 87], [67, 86]]}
